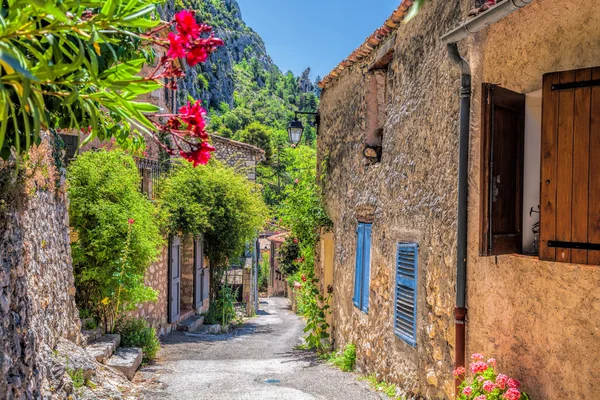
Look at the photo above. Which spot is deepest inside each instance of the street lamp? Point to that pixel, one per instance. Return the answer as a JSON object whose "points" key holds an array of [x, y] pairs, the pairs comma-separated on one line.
{"points": [[295, 128]]}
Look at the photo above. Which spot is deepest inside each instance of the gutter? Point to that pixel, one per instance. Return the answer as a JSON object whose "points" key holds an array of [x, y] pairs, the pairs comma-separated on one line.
{"points": [[484, 20], [451, 39]]}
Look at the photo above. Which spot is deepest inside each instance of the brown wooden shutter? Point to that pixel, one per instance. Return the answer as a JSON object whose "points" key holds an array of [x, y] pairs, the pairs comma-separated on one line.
{"points": [[502, 141], [570, 169]]}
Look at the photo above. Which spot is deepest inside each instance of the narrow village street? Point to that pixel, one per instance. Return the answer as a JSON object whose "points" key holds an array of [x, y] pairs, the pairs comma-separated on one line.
{"points": [[256, 361]]}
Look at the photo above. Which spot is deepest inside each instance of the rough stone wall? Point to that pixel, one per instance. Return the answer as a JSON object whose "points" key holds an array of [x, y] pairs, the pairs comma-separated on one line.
{"points": [[37, 305], [539, 319], [240, 156], [157, 276], [410, 196]]}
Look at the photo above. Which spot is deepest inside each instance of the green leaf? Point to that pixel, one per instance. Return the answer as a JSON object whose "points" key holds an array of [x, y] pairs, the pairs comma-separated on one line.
{"points": [[109, 8], [51, 9], [414, 10], [11, 64], [140, 12]]}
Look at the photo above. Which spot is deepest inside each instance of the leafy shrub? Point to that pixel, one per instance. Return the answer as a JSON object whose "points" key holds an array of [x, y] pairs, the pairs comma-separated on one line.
{"points": [[76, 376], [222, 309], [315, 308], [136, 333], [118, 234], [344, 360], [486, 384], [389, 389]]}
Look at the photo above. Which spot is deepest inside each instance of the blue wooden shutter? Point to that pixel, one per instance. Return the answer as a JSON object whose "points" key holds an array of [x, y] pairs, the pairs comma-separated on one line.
{"points": [[366, 268], [405, 319], [358, 272]]}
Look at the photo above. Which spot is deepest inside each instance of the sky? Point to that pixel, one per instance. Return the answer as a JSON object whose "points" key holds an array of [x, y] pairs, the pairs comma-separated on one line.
{"points": [[314, 33]]}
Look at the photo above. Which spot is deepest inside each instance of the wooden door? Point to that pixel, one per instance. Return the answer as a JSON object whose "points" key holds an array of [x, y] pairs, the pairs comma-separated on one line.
{"points": [[570, 170], [174, 279], [502, 144]]}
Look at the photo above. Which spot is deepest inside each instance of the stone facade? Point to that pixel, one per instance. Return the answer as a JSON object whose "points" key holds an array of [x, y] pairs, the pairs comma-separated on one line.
{"points": [[37, 305], [242, 157], [531, 315]]}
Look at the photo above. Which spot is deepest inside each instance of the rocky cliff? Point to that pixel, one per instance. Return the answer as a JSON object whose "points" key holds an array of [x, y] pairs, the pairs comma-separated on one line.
{"points": [[213, 81]]}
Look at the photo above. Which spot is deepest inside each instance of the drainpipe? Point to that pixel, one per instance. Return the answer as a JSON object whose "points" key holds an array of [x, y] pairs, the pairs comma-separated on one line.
{"points": [[460, 311]]}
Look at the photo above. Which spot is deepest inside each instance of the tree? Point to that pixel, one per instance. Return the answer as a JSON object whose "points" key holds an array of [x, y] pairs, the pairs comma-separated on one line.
{"points": [[118, 234], [217, 202], [258, 135]]}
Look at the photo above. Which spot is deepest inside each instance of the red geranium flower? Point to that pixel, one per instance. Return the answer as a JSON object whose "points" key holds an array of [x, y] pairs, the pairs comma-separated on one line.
{"points": [[130, 221], [186, 24]]}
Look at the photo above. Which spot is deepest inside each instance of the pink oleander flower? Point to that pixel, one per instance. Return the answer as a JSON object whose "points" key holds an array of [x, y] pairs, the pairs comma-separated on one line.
{"points": [[512, 394], [459, 371], [186, 24], [478, 367], [477, 357], [467, 391], [482, 397], [177, 46], [296, 181], [489, 386], [501, 381], [492, 362], [513, 383]]}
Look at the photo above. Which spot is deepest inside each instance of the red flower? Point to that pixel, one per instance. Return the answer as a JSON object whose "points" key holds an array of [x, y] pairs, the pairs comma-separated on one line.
{"points": [[201, 155], [196, 55], [130, 221], [459, 371], [513, 383], [193, 114], [295, 240], [186, 24], [177, 46], [303, 278]]}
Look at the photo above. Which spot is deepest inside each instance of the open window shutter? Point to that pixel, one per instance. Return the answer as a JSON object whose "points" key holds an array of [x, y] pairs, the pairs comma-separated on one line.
{"points": [[405, 320], [366, 268], [198, 269], [174, 279], [570, 176], [502, 141], [358, 272], [206, 284]]}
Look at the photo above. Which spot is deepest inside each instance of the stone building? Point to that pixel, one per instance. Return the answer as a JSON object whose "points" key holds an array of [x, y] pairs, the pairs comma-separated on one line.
{"points": [[277, 280], [389, 148]]}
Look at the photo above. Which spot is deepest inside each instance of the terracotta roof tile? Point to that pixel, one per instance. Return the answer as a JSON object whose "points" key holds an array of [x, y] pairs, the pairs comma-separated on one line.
{"points": [[370, 44]]}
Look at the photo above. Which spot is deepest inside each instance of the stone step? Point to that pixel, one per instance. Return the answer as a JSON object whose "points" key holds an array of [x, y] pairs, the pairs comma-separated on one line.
{"points": [[91, 335], [101, 349], [191, 324], [127, 360]]}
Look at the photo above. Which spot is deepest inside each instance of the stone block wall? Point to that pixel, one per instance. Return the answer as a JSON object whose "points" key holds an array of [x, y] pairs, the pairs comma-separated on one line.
{"points": [[410, 196], [240, 156], [37, 305]]}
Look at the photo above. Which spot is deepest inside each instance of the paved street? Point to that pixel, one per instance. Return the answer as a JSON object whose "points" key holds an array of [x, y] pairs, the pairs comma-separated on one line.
{"points": [[256, 361]]}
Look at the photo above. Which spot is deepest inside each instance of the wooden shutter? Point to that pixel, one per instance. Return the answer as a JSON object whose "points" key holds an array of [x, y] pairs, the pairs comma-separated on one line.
{"points": [[570, 167], [198, 269], [206, 283], [366, 268], [174, 279], [405, 317], [360, 232], [502, 141]]}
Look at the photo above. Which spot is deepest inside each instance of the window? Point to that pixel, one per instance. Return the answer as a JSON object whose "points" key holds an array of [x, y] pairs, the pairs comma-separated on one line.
{"points": [[405, 317], [558, 128], [363, 266]]}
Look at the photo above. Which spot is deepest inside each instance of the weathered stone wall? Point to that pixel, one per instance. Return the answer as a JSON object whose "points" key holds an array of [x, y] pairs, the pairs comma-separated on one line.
{"points": [[410, 196], [539, 319], [37, 305], [240, 156]]}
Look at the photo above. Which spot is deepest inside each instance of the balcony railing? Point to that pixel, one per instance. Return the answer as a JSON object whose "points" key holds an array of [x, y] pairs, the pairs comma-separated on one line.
{"points": [[151, 172]]}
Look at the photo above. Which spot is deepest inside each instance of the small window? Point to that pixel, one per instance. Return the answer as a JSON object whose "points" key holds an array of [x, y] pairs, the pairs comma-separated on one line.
{"points": [[363, 266], [376, 112], [405, 317]]}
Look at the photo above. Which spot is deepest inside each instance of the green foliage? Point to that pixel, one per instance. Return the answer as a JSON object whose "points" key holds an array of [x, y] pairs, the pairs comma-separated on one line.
{"points": [[136, 333], [289, 257], [315, 308], [221, 310], [215, 201], [62, 69], [111, 254], [263, 273], [76, 376], [345, 359], [257, 135], [389, 389]]}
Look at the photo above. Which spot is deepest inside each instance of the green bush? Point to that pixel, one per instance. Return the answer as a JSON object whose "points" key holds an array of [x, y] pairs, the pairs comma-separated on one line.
{"points": [[118, 234], [344, 360], [136, 333]]}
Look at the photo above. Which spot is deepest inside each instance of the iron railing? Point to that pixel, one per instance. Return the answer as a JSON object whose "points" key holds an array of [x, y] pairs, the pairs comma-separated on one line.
{"points": [[151, 172]]}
